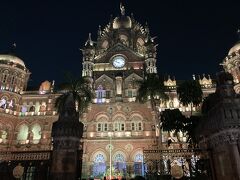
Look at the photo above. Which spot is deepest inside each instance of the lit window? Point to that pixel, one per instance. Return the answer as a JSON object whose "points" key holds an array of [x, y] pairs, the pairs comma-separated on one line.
{"points": [[4, 78], [119, 126], [108, 94], [130, 94], [102, 127], [105, 127], [133, 126], [12, 80], [99, 128], [137, 126]]}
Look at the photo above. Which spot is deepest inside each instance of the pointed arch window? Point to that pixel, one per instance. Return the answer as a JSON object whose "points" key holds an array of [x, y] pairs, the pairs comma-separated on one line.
{"points": [[101, 94]]}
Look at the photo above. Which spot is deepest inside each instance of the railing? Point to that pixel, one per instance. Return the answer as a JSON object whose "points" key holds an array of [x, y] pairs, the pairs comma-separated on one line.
{"points": [[17, 113], [177, 163], [13, 156]]}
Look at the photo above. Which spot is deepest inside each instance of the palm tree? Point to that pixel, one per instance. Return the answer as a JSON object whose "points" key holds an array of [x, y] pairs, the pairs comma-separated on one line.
{"points": [[173, 120], [190, 92], [152, 88], [79, 91]]}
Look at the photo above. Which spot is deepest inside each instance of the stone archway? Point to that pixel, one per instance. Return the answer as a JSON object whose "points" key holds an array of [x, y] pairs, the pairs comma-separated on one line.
{"points": [[99, 166], [119, 162]]}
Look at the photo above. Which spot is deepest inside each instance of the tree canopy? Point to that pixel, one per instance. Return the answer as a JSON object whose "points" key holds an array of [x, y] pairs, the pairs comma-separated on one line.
{"points": [[174, 120], [152, 88], [190, 92], [79, 89]]}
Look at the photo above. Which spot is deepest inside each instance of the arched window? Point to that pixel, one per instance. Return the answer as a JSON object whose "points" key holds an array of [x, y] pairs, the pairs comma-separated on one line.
{"points": [[101, 93], [43, 107], [13, 78], [119, 123], [3, 102], [32, 109], [136, 122], [138, 165], [36, 130], [22, 134], [120, 165], [99, 166], [3, 136], [5, 75]]}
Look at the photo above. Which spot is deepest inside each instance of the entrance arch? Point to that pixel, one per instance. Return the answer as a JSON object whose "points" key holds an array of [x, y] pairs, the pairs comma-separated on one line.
{"points": [[99, 165], [120, 165], [138, 164]]}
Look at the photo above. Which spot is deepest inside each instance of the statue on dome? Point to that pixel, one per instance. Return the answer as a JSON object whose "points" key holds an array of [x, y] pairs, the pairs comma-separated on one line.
{"points": [[122, 8]]}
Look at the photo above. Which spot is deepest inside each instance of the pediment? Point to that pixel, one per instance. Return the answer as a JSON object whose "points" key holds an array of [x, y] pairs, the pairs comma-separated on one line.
{"points": [[118, 48], [105, 81]]}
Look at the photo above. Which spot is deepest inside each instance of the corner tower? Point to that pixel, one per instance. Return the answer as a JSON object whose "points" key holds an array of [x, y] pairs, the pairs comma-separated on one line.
{"points": [[13, 80], [116, 127]]}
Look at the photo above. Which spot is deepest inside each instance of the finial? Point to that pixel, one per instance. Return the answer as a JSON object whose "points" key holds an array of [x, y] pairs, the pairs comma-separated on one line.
{"points": [[89, 40], [13, 48], [52, 86], [238, 33], [146, 28], [132, 16], [14, 45], [122, 9], [209, 77], [89, 36], [99, 30], [193, 76]]}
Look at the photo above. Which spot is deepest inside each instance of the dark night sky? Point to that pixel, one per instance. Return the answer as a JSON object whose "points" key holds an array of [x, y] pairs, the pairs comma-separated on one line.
{"points": [[193, 36]]}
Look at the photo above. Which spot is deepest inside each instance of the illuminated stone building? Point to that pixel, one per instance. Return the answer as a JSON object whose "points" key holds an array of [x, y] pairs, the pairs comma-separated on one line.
{"points": [[231, 64], [117, 128]]}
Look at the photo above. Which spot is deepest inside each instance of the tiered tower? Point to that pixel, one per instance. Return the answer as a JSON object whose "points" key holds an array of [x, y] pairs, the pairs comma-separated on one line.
{"points": [[13, 80]]}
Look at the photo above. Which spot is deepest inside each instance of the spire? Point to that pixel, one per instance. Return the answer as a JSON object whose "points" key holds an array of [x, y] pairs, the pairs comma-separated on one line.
{"points": [[132, 16], [13, 48], [194, 77], [238, 34], [89, 41], [146, 28], [99, 30], [122, 9]]}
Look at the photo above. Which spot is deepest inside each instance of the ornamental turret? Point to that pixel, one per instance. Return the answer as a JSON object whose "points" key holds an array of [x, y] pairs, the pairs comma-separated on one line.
{"points": [[150, 54], [13, 73], [88, 57], [123, 49]]}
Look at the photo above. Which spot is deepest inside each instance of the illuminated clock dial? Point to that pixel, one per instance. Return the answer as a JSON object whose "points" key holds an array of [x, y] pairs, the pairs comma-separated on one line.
{"points": [[118, 62]]}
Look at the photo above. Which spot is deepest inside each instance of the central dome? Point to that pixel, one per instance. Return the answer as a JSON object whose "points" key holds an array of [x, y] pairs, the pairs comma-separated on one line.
{"points": [[12, 58], [122, 22]]}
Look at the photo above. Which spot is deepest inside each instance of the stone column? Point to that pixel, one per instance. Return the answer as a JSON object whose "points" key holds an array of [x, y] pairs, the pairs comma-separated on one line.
{"points": [[235, 158], [66, 133]]}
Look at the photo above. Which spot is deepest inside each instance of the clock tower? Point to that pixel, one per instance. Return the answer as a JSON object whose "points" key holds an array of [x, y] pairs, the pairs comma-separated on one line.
{"points": [[123, 52], [117, 128]]}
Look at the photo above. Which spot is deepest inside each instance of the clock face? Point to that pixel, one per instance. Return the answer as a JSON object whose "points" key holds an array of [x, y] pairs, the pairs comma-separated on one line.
{"points": [[118, 62]]}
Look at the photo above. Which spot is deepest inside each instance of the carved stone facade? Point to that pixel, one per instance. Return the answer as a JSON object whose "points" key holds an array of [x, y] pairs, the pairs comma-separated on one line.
{"points": [[221, 131], [231, 64], [116, 127]]}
